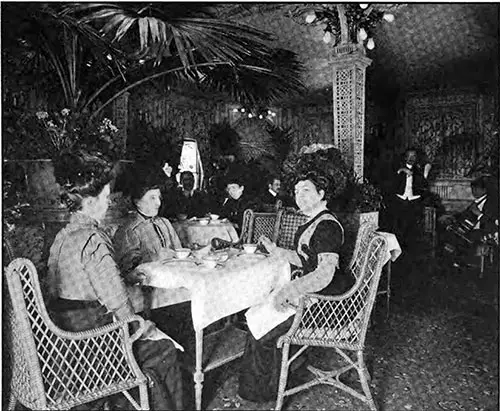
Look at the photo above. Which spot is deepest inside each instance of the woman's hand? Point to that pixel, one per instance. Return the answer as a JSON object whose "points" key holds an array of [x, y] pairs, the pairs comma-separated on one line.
{"points": [[135, 278], [268, 244], [164, 254], [287, 297]]}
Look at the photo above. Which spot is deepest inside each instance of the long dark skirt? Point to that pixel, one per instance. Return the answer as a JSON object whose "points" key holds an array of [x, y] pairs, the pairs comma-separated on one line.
{"points": [[157, 359], [260, 367]]}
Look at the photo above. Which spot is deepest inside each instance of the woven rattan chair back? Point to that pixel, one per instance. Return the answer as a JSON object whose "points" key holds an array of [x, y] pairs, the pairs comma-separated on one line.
{"points": [[258, 224], [290, 222], [342, 321], [339, 322], [365, 233], [56, 369]]}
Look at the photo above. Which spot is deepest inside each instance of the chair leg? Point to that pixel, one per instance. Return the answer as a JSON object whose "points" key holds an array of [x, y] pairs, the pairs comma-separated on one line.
{"points": [[388, 296], [481, 272], [283, 376], [143, 396], [364, 377], [12, 401]]}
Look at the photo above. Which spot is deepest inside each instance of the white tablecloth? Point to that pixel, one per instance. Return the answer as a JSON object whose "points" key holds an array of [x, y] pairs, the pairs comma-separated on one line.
{"points": [[241, 282], [393, 247], [191, 232], [264, 317]]}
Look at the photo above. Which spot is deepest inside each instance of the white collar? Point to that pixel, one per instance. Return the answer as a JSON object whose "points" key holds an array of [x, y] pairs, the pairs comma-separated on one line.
{"points": [[273, 193], [481, 199]]}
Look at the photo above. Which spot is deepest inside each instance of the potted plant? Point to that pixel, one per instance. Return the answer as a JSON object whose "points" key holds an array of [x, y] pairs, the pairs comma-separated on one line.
{"points": [[33, 140], [355, 201]]}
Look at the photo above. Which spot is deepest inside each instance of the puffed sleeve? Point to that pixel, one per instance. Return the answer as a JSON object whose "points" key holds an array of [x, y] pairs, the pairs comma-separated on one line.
{"points": [[128, 250], [327, 238], [104, 275], [325, 244]]}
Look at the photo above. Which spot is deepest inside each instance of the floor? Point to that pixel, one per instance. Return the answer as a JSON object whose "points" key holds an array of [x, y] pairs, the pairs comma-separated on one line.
{"points": [[437, 351]]}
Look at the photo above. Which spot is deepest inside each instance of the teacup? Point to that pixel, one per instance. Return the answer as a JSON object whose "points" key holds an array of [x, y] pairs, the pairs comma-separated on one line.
{"points": [[210, 261], [222, 257], [203, 221], [250, 248], [182, 253], [214, 216]]}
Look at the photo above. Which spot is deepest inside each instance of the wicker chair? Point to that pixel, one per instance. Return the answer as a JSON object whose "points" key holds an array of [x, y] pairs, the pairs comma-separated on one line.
{"points": [[429, 228], [257, 224], [339, 322], [290, 221], [56, 370]]}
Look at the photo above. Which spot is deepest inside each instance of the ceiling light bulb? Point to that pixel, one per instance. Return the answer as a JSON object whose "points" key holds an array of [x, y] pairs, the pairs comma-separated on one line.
{"points": [[235, 110], [250, 115], [327, 37], [242, 109], [363, 35], [273, 114], [310, 18], [269, 111], [389, 17], [363, 5], [371, 44], [261, 116]]}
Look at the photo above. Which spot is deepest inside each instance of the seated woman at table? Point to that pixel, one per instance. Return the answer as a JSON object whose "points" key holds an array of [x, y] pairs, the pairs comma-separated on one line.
{"points": [[85, 288], [317, 244], [236, 201], [145, 236]]}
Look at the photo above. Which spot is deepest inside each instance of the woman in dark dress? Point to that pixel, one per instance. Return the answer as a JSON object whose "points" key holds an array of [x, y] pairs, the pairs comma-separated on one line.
{"points": [[317, 246]]}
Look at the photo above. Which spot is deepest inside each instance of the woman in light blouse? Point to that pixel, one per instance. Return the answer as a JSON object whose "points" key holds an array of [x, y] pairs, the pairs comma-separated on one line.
{"points": [[145, 236]]}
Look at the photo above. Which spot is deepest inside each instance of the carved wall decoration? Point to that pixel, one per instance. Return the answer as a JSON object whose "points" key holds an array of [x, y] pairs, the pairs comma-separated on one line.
{"points": [[446, 128], [311, 124]]}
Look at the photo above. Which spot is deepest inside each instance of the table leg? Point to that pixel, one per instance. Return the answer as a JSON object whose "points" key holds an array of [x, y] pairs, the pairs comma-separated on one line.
{"points": [[388, 296], [198, 374]]}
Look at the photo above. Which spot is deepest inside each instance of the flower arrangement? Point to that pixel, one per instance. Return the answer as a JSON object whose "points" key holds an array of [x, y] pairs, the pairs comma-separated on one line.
{"points": [[349, 193], [46, 135]]}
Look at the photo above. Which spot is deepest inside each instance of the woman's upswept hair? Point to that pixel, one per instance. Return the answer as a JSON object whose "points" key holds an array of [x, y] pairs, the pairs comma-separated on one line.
{"points": [[320, 180], [81, 175], [142, 178]]}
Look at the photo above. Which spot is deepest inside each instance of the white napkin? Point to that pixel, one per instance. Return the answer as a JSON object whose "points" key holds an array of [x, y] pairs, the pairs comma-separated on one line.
{"points": [[263, 317], [160, 335]]}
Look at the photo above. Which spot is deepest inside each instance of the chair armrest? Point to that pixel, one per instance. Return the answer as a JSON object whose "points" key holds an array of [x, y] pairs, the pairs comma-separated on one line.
{"points": [[95, 332], [309, 300]]}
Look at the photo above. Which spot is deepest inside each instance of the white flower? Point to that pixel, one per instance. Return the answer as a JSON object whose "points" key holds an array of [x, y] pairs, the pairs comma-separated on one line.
{"points": [[42, 114], [167, 169], [65, 111], [50, 123]]}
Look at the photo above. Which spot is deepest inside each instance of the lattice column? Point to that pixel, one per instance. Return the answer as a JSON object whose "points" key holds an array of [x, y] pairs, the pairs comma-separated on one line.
{"points": [[349, 68], [120, 119]]}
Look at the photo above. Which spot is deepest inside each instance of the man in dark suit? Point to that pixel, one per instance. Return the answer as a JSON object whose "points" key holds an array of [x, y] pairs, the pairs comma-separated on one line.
{"points": [[405, 202], [466, 231], [271, 196]]}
